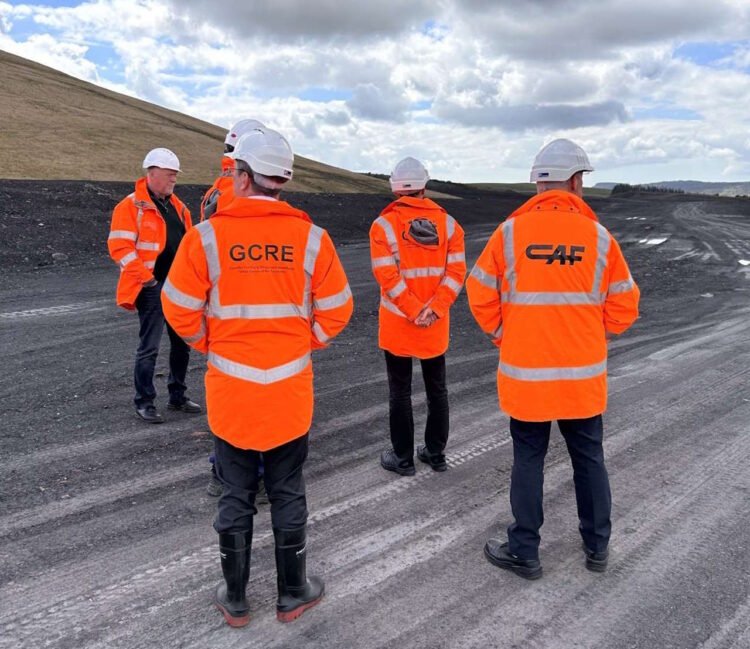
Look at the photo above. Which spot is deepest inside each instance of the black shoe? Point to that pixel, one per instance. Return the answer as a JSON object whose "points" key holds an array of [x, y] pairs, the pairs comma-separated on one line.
{"points": [[498, 554], [187, 406], [391, 462], [234, 549], [596, 561], [214, 487], [148, 413], [297, 593], [437, 462]]}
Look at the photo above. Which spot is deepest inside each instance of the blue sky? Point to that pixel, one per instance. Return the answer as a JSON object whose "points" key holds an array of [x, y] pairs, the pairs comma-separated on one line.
{"points": [[653, 91]]}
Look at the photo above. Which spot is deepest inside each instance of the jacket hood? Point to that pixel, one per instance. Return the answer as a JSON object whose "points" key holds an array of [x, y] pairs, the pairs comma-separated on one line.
{"points": [[242, 207], [556, 199]]}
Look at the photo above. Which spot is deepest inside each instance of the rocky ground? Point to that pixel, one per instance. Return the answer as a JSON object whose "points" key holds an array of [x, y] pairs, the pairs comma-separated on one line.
{"points": [[105, 536]]}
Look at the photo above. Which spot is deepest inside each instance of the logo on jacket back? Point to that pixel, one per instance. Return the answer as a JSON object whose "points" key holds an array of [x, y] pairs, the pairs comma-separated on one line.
{"points": [[550, 253]]}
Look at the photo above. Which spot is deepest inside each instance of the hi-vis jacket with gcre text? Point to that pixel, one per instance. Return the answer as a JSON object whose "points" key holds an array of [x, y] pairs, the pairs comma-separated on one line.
{"points": [[221, 193], [548, 286], [137, 237], [257, 287], [413, 275]]}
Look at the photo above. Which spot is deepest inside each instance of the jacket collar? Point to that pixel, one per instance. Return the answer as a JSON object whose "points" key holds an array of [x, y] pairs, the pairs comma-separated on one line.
{"points": [[242, 207], [556, 199], [411, 201]]}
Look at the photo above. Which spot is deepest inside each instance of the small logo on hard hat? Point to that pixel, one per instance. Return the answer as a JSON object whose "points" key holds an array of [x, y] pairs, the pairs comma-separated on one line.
{"points": [[543, 174]]}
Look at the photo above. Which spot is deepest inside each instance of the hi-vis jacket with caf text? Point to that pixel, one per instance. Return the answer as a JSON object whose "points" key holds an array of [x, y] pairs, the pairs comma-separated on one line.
{"points": [[413, 275], [137, 237], [257, 287], [548, 287]]}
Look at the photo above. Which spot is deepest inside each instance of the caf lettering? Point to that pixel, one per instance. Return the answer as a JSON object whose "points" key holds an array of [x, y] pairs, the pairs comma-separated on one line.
{"points": [[552, 253], [261, 252]]}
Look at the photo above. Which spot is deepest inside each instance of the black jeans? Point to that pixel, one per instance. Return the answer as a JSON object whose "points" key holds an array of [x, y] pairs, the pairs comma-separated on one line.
{"points": [[237, 470], [151, 316], [400, 411], [583, 438]]}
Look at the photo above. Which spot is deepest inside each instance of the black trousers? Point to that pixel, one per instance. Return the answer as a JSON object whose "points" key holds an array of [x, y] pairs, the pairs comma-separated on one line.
{"points": [[152, 321], [583, 438], [237, 470], [400, 412]]}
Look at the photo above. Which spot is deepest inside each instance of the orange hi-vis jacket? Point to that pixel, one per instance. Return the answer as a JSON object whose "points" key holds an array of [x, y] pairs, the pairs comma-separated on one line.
{"points": [[137, 237], [257, 287], [221, 193], [548, 287], [413, 275]]}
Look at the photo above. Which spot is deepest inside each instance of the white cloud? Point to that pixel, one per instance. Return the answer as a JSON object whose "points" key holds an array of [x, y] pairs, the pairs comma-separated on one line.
{"points": [[473, 87]]}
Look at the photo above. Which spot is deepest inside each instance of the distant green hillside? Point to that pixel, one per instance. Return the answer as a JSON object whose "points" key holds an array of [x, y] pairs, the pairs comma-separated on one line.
{"points": [[530, 188]]}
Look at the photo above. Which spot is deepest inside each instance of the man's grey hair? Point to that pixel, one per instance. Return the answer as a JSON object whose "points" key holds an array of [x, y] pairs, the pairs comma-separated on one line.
{"points": [[260, 184]]}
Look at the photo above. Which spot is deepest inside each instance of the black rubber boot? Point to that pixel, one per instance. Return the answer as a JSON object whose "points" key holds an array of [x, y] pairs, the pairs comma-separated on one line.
{"points": [[296, 592], [234, 548]]}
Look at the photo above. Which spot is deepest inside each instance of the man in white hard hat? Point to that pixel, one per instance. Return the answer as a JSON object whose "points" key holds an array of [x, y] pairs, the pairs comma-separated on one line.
{"points": [[217, 197], [147, 227], [259, 335], [417, 255], [550, 288], [221, 193]]}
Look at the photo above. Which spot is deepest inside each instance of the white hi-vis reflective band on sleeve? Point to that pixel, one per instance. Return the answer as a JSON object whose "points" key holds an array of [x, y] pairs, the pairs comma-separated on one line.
{"points": [[255, 374], [123, 234], [455, 257], [182, 299], [490, 281], [379, 262], [149, 264], [452, 284], [450, 225], [127, 259], [197, 336], [397, 290], [553, 373], [390, 306], [333, 301], [319, 333], [615, 288]]}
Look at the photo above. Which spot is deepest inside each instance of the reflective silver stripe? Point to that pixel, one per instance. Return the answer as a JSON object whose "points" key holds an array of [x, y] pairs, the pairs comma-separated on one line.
{"points": [[550, 298], [602, 250], [208, 239], [149, 264], [377, 262], [142, 245], [196, 337], [509, 254], [426, 271], [397, 290], [255, 374], [490, 281], [451, 225], [390, 306], [498, 333], [319, 333], [312, 248], [452, 284], [123, 234], [182, 299], [124, 261], [254, 311], [621, 287], [553, 373], [390, 236], [333, 301], [456, 257]]}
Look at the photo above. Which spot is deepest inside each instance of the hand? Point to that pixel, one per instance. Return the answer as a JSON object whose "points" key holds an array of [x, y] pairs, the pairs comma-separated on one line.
{"points": [[426, 318], [150, 283]]}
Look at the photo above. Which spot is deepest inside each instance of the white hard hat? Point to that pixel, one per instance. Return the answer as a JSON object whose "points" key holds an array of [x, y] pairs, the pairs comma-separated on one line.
{"points": [[240, 128], [409, 175], [558, 161], [267, 152], [162, 158]]}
